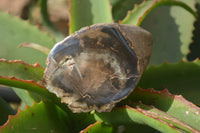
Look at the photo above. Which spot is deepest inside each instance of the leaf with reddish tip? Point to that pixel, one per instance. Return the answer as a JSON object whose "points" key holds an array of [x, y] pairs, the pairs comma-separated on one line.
{"points": [[180, 78], [21, 70], [35, 46], [174, 105], [136, 16], [98, 127], [43, 117], [5, 110], [93, 11]]}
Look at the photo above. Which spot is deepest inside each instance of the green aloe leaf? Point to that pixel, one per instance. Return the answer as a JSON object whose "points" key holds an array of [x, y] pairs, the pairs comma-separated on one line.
{"points": [[172, 113], [13, 32], [88, 12], [180, 78], [98, 127], [161, 115], [5, 111], [32, 86], [24, 71], [127, 115], [174, 105], [169, 45], [136, 16], [121, 7], [43, 117], [21, 70], [186, 32]]}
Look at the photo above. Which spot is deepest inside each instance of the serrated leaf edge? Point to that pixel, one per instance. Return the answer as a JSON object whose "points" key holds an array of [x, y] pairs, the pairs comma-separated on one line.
{"points": [[22, 62], [17, 114], [90, 126]]}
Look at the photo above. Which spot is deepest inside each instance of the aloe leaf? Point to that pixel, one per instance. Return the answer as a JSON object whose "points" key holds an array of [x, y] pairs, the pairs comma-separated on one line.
{"points": [[174, 105], [136, 16], [14, 31], [180, 78], [35, 46], [167, 44], [5, 111], [42, 117], [88, 12], [195, 46], [21, 70], [24, 71], [98, 127], [152, 111], [128, 115], [186, 32], [121, 7], [47, 22], [32, 86]]}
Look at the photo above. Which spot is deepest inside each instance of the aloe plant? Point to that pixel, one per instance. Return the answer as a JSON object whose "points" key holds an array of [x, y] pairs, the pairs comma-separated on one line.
{"points": [[159, 101]]}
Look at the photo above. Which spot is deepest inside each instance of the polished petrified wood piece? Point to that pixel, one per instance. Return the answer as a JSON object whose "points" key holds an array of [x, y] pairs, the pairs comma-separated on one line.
{"points": [[98, 66]]}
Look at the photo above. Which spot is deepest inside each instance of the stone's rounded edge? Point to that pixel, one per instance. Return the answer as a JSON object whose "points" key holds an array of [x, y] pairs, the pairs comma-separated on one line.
{"points": [[139, 40]]}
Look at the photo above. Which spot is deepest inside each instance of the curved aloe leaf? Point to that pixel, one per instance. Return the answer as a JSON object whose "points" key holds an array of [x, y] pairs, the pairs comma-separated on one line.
{"points": [[128, 115], [180, 78], [88, 12], [24, 71], [42, 117], [5, 111], [172, 111], [121, 7], [195, 46], [169, 44], [136, 16], [174, 105], [32, 86], [14, 31], [179, 124], [21, 70], [98, 127], [186, 32]]}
